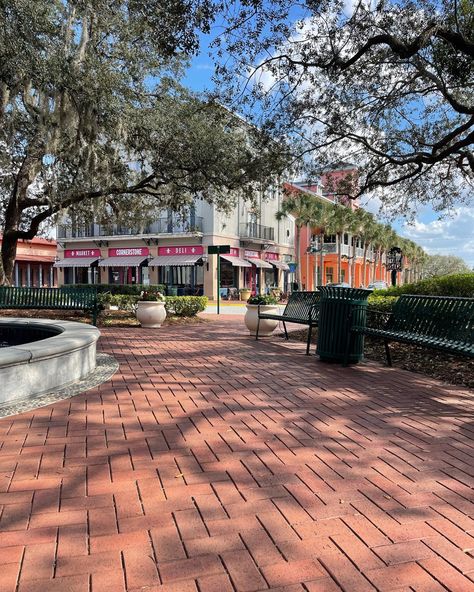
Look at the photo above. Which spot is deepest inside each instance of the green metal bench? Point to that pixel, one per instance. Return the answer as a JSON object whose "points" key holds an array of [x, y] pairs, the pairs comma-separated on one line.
{"points": [[51, 298], [302, 309], [443, 323]]}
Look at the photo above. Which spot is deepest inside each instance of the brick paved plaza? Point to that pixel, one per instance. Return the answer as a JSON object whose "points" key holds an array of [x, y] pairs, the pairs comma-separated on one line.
{"points": [[212, 463]]}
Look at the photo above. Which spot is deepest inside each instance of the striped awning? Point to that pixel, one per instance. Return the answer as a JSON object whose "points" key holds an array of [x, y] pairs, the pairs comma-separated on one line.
{"points": [[260, 263], [76, 262], [123, 261], [236, 261], [280, 265], [175, 260]]}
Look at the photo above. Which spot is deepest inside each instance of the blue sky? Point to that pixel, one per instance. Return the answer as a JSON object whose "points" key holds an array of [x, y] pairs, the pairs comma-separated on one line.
{"points": [[451, 235]]}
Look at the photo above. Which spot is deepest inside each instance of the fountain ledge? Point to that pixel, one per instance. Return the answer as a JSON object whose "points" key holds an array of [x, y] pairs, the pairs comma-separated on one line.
{"points": [[42, 366]]}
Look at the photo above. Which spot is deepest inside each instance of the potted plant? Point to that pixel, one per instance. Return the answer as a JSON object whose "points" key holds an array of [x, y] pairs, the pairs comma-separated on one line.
{"points": [[151, 311], [267, 304], [245, 294]]}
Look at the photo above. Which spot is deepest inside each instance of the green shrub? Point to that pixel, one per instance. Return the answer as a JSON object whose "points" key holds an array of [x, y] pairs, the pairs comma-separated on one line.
{"points": [[122, 289], [185, 306], [122, 301], [457, 284], [259, 299], [379, 303]]}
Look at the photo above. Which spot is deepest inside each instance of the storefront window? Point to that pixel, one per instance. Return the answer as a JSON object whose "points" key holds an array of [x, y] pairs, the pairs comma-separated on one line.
{"points": [[271, 278], [76, 275], [229, 274], [181, 275], [125, 275]]}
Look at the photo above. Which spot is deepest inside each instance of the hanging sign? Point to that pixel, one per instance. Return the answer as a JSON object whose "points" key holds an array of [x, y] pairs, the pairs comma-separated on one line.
{"points": [[182, 250], [218, 249], [252, 254], [129, 252], [272, 256], [81, 253]]}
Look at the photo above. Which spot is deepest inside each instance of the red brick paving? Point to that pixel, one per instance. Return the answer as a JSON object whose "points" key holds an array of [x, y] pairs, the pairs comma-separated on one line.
{"points": [[215, 463]]}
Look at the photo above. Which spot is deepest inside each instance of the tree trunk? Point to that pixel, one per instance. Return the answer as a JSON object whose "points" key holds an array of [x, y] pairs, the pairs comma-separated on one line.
{"points": [[364, 265], [10, 239], [298, 257], [374, 266], [349, 266], [339, 258], [353, 263], [9, 246], [321, 262]]}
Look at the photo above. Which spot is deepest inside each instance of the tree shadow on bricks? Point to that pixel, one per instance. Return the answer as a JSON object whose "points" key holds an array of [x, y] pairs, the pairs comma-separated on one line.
{"points": [[217, 457]]}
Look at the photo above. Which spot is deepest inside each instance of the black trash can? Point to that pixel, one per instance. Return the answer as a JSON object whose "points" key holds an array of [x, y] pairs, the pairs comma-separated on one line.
{"points": [[171, 290], [337, 303]]}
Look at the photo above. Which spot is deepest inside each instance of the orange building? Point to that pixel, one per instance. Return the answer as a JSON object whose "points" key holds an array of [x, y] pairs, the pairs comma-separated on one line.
{"points": [[34, 263], [319, 259]]}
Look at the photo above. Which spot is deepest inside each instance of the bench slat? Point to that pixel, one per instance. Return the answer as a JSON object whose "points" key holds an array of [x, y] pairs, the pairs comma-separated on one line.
{"points": [[50, 298], [439, 322]]}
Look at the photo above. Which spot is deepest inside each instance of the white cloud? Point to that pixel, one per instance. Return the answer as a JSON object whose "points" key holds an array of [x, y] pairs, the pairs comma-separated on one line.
{"points": [[448, 236], [350, 6]]}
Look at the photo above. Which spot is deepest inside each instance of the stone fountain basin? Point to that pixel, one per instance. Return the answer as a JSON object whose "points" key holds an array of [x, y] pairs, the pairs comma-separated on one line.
{"points": [[42, 366]]}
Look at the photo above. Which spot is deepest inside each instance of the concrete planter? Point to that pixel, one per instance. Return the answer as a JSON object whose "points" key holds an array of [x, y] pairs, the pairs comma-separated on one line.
{"points": [[151, 314], [267, 326], [42, 366]]}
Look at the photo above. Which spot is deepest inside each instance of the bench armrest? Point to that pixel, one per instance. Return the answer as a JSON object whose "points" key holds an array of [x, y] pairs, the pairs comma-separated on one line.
{"points": [[313, 312]]}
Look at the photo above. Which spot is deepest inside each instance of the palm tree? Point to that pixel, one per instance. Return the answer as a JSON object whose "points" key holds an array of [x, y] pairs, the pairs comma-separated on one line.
{"points": [[358, 221], [338, 224], [377, 243], [306, 209], [320, 222], [323, 229], [368, 234]]}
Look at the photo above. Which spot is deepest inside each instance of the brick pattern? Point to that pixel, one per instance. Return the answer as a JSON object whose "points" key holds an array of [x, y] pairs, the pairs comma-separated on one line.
{"points": [[211, 463]]}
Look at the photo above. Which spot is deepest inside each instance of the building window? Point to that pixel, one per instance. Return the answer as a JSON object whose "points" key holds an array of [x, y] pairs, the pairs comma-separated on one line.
{"points": [[329, 275]]}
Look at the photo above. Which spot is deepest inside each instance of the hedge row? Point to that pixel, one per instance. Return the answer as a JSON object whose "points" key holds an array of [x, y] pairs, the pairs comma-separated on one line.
{"points": [[185, 306], [458, 284], [122, 289], [181, 306]]}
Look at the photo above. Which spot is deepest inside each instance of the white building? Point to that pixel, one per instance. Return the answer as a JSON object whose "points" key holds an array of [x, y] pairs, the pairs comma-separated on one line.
{"points": [[173, 250]]}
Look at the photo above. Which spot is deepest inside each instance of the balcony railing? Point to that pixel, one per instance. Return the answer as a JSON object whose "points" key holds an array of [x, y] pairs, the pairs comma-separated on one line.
{"points": [[161, 226], [254, 230]]}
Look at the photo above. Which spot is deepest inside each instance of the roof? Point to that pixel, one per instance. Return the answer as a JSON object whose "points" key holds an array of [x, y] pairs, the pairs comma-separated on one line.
{"points": [[37, 241]]}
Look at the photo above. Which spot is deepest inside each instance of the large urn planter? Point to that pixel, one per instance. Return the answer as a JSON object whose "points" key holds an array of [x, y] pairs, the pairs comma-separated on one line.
{"points": [[245, 294], [151, 314], [267, 326]]}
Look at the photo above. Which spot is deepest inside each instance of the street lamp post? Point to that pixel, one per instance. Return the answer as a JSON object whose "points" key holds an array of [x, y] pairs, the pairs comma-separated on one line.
{"points": [[315, 248], [394, 263]]}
